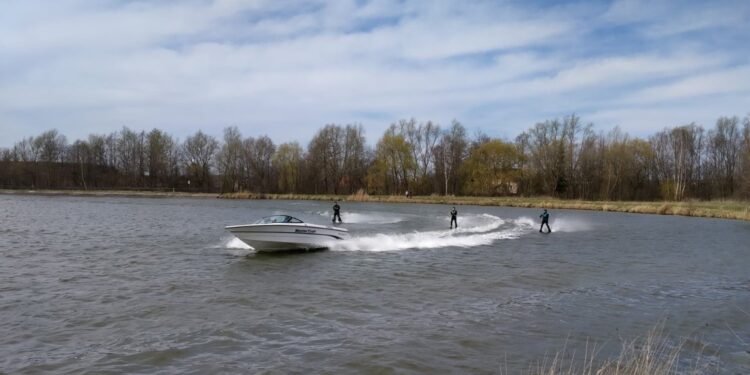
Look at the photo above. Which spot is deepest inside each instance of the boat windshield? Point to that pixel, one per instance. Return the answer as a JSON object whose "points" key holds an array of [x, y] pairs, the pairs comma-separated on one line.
{"points": [[278, 219]]}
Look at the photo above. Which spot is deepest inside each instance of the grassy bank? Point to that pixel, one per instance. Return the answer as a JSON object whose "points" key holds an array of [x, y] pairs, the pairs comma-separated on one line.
{"points": [[111, 193], [737, 210]]}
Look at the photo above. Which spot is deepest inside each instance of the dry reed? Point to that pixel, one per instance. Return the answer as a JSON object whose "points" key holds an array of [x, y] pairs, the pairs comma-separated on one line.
{"points": [[653, 355]]}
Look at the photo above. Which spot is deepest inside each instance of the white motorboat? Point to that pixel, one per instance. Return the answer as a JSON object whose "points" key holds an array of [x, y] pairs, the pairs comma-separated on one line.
{"points": [[284, 232]]}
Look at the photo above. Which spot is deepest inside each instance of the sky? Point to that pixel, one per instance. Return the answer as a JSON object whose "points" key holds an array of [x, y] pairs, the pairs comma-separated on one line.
{"points": [[286, 68]]}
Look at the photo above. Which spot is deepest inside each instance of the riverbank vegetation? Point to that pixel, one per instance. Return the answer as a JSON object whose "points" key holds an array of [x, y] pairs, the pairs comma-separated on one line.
{"points": [[654, 354], [720, 209], [564, 159]]}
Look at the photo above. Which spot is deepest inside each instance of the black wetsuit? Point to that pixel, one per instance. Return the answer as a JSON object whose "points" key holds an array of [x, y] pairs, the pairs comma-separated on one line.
{"points": [[454, 220], [545, 221], [336, 213]]}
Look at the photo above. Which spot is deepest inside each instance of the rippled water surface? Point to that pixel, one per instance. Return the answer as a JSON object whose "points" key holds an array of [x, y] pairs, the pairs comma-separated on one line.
{"points": [[126, 285]]}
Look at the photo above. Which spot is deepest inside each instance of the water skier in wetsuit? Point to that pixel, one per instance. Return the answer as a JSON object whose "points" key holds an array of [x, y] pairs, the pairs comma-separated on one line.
{"points": [[545, 220], [336, 212], [454, 214]]}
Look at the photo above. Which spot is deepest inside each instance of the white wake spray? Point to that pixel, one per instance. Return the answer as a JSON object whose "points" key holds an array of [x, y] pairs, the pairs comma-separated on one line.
{"points": [[526, 221], [468, 236], [419, 240], [363, 218], [478, 224], [235, 243], [569, 225], [475, 230], [234, 246], [559, 224]]}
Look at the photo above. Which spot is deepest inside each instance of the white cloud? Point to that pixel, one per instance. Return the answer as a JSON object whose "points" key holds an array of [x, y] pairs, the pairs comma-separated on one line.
{"points": [[730, 81], [287, 68], [645, 119], [671, 17]]}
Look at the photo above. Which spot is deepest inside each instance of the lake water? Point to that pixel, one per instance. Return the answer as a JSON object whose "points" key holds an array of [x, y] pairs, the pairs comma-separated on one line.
{"points": [[127, 285]]}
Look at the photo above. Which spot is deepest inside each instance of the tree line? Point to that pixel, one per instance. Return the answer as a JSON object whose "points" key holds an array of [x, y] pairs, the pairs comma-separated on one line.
{"points": [[558, 158]]}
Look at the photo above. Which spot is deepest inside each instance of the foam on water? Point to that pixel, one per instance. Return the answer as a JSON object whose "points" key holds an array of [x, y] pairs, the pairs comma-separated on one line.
{"points": [[562, 224], [364, 218], [483, 232], [419, 240], [526, 221], [478, 223], [234, 246], [235, 243], [569, 225], [475, 230]]}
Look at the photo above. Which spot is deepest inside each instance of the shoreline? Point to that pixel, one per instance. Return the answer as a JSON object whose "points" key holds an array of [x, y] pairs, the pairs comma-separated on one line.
{"points": [[724, 209], [108, 193]]}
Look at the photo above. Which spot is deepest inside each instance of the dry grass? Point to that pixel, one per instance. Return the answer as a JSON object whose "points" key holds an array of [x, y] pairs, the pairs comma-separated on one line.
{"points": [[360, 196], [111, 193], [652, 355]]}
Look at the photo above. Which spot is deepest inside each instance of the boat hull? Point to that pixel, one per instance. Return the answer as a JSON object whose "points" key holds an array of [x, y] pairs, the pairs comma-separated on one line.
{"points": [[287, 237]]}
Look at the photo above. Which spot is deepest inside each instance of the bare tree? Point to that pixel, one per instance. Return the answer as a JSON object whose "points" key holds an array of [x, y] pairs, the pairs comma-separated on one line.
{"points": [[50, 148], [615, 165], [588, 174], [561, 158], [80, 154], [229, 160], [199, 150], [25, 151], [453, 149], [546, 148], [287, 161], [421, 139], [258, 154], [27, 170], [160, 147], [677, 156], [97, 149], [724, 147], [99, 170], [326, 155], [745, 158], [111, 152], [131, 147], [354, 164]]}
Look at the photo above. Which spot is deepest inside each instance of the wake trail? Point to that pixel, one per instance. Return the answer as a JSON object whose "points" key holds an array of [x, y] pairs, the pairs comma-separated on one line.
{"points": [[560, 224], [476, 224], [476, 230], [466, 237], [364, 218]]}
